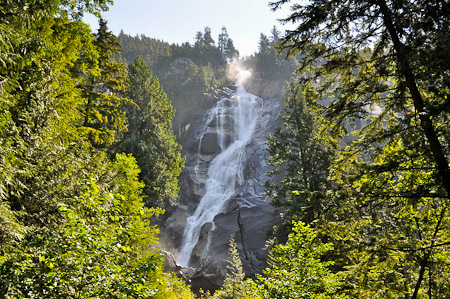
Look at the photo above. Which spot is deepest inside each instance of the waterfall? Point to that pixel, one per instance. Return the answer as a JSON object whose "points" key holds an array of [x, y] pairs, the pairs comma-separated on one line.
{"points": [[225, 171]]}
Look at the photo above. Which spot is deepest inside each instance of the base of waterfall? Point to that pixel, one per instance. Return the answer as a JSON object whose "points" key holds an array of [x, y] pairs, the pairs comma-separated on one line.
{"points": [[245, 219], [198, 278]]}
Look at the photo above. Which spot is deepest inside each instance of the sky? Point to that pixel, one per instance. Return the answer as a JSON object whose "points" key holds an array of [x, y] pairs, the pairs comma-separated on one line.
{"points": [[177, 21]]}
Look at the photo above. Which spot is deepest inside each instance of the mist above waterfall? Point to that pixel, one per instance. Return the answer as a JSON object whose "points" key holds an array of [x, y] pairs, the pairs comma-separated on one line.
{"points": [[239, 74]]}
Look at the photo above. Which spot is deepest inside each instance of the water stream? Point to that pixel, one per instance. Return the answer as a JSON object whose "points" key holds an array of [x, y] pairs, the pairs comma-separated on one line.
{"points": [[225, 171]]}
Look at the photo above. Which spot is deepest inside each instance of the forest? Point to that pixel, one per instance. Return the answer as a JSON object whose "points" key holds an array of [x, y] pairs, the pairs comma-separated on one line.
{"points": [[90, 131]]}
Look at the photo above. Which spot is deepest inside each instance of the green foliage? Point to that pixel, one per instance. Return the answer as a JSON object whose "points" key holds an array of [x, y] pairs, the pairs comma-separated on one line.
{"points": [[189, 74], [101, 249], [296, 269], [149, 137], [388, 214], [103, 81], [72, 222], [205, 52], [226, 47], [397, 221], [269, 67], [104, 246], [301, 157], [149, 49], [269, 60], [78, 8], [10, 227], [234, 285], [188, 86], [39, 101]]}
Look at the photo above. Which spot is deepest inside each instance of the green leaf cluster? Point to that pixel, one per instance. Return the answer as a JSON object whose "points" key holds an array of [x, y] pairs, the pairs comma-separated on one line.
{"points": [[296, 269], [378, 73], [73, 223]]}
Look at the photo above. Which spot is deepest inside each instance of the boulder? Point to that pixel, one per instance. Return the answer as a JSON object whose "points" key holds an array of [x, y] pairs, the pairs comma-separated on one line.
{"points": [[209, 144]]}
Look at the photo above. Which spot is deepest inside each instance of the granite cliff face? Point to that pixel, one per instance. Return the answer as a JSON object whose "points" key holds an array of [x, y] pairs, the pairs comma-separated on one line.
{"points": [[221, 190]]}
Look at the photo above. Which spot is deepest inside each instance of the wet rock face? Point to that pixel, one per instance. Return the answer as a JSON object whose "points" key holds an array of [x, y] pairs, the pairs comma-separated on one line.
{"points": [[210, 144], [245, 216]]}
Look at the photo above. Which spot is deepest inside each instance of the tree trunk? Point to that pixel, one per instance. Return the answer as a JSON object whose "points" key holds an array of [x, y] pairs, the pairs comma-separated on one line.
{"points": [[423, 266], [425, 120]]}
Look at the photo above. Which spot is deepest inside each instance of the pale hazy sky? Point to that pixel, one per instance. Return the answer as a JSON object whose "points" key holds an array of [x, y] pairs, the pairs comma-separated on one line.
{"points": [[177, 21]]}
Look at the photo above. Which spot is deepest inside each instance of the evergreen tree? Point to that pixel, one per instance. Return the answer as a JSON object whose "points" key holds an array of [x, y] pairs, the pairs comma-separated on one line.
{"points": [[302, 158], [72, 222], [205, 51], [199, 38], [296, 270], [208, 41], [234, 285], [222, 40], [226, 46], [150, 49], [265, 49], [39, 142], [149, 137], [103, 246], [276, 36], [187, 86], [230, 51], [269, 60], [390, 206], [103, 116]]}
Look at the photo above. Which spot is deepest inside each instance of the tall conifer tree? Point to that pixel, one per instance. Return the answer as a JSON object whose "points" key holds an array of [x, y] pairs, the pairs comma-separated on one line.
{"points": [[150, 137], [302, 158], [103, 87], [385, 62]]}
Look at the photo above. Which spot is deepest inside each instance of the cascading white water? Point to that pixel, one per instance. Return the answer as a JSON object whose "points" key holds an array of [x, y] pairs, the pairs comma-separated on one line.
{"points": [[225, 171]]}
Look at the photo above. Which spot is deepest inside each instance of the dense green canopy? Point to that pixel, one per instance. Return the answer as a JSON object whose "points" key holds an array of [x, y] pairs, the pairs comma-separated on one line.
{"points": [[382, 68], [73, 223]]}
